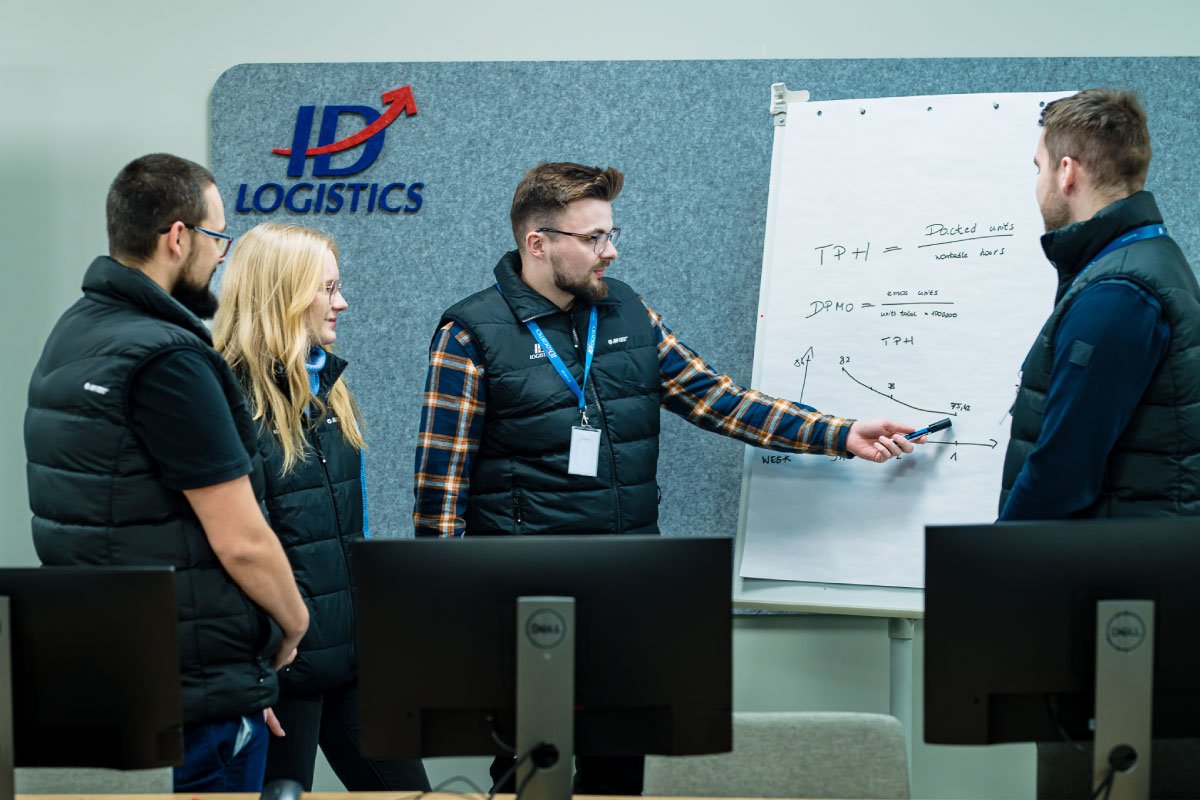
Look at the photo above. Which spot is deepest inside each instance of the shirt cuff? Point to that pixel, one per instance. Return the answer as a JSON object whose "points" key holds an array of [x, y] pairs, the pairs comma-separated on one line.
{"points": [[841, 436]]}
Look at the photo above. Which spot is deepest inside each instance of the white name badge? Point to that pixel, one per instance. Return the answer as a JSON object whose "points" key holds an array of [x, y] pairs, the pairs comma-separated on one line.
{"points": [[585, 451]]}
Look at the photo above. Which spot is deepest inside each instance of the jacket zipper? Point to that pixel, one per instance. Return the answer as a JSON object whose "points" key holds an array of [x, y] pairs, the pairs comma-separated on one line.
{"points": [[612, 460], [333, 505]]}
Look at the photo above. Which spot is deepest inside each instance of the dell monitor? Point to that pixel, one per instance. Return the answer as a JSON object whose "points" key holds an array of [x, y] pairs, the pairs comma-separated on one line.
{"points": [[597, 645], [1065, 631], [89, 669]]}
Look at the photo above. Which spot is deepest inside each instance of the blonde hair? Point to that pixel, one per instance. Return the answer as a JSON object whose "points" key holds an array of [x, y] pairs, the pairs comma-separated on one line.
{"points": [[261, 330]]}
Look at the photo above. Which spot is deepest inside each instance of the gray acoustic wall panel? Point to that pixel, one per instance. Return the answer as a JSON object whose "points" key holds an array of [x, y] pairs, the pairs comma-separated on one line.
{"points": [[694, 139]]}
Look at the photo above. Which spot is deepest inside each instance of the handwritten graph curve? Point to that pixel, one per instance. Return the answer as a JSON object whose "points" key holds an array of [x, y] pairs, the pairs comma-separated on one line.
{"points": [[894, 400]]}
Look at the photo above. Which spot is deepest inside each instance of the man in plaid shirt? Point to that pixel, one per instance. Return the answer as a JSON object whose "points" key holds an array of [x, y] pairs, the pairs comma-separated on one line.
{"points": [[498, 421], [541, 407]]}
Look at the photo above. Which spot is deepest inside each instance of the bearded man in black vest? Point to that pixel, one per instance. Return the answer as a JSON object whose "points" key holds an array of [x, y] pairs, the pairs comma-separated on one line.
{"points": [[541, 410], [141, 452], [1107, 415]]}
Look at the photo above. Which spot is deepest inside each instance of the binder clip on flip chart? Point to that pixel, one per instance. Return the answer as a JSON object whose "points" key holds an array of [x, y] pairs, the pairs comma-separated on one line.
{"points": [[780, 97]]}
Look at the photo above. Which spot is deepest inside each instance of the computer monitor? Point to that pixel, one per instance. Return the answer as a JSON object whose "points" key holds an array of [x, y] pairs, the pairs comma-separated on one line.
{"points": [[438, 641], [1012, 636], [93, 669]]}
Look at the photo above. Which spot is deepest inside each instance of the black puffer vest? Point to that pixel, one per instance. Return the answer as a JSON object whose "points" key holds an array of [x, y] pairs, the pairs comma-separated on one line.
{"points": [[316, 509], [97, 497], [519, 482], [1154, 468]]}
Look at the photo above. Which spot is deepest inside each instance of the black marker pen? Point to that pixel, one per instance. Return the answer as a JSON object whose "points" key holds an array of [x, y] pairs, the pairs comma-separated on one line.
{"points": [[940, 425]]}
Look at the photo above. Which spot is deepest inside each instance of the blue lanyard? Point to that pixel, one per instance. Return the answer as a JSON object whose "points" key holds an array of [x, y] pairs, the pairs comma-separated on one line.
{"points": [[557, 362], [564, 373], [1135, 235]]}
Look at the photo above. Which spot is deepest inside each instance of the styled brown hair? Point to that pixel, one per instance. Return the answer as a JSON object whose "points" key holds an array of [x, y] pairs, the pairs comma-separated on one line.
{"points": [[150, 193], [1105, 130], [547, 188]]}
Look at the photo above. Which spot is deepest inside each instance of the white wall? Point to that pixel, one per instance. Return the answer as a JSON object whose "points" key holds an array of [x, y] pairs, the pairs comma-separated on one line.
{"points": [[87, 86]]}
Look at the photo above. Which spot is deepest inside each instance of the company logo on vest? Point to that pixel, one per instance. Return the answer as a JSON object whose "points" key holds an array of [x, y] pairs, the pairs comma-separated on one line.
{"points": [[322, 197]]}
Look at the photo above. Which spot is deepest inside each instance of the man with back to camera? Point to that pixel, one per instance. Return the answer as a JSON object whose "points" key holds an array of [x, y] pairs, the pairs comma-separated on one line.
{"points": [[541, 408], [141, 452], [1107, 417]]}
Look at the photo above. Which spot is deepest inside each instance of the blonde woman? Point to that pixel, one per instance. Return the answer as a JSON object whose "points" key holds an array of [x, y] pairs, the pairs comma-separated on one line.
{"points": [[281, 296]]}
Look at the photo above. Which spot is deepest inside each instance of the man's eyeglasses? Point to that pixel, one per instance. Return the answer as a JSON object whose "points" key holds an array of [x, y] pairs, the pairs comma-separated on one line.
{"points": [[599, 240], [334, 287], [224, 240]]}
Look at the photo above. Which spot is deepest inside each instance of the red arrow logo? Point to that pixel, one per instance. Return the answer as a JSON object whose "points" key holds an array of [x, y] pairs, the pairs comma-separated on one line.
{"points": [[396, 100]]}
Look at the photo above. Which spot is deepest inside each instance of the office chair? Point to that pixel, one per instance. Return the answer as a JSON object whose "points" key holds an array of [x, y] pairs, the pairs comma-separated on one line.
{"points": [[793, 754]]}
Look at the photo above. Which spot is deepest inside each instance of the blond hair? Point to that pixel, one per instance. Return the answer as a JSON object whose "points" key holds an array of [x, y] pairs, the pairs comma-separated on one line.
{"points": [[261, 330]]}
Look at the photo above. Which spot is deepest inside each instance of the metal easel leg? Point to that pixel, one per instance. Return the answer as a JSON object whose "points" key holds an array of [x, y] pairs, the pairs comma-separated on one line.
{"points": [[900, 636]]}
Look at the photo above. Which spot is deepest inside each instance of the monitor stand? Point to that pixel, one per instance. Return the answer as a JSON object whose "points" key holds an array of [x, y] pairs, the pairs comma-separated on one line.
{"points": [[1124, 697], [7, 762], [545, 697]]}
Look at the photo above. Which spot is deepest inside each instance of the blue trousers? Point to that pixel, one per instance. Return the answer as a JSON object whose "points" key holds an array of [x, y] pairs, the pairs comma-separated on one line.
{"points": [[223, 756]]}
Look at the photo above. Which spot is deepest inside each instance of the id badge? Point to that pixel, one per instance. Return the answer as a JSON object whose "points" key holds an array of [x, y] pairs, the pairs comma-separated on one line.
{"points": [[585, 451]]}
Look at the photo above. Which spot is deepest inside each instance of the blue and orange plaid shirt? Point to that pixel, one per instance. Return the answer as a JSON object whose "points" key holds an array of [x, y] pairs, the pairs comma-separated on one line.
{"points": [[452, 418]]}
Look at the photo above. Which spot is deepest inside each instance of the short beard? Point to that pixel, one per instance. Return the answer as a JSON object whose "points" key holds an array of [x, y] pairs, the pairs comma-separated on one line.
{"points": [[199, 300], [1055, 213], [586, 290]]}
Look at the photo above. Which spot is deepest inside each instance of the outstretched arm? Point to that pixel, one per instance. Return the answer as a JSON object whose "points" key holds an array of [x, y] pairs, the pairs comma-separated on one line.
{"points": [[712, 401]]}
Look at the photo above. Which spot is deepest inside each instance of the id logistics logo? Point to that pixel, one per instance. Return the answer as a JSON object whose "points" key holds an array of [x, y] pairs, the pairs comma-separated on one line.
{"points": [[337, 196]]}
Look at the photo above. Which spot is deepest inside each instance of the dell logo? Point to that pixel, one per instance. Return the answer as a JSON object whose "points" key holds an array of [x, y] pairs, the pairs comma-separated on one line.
{"points": [[1125, 631], [545, 628]]}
